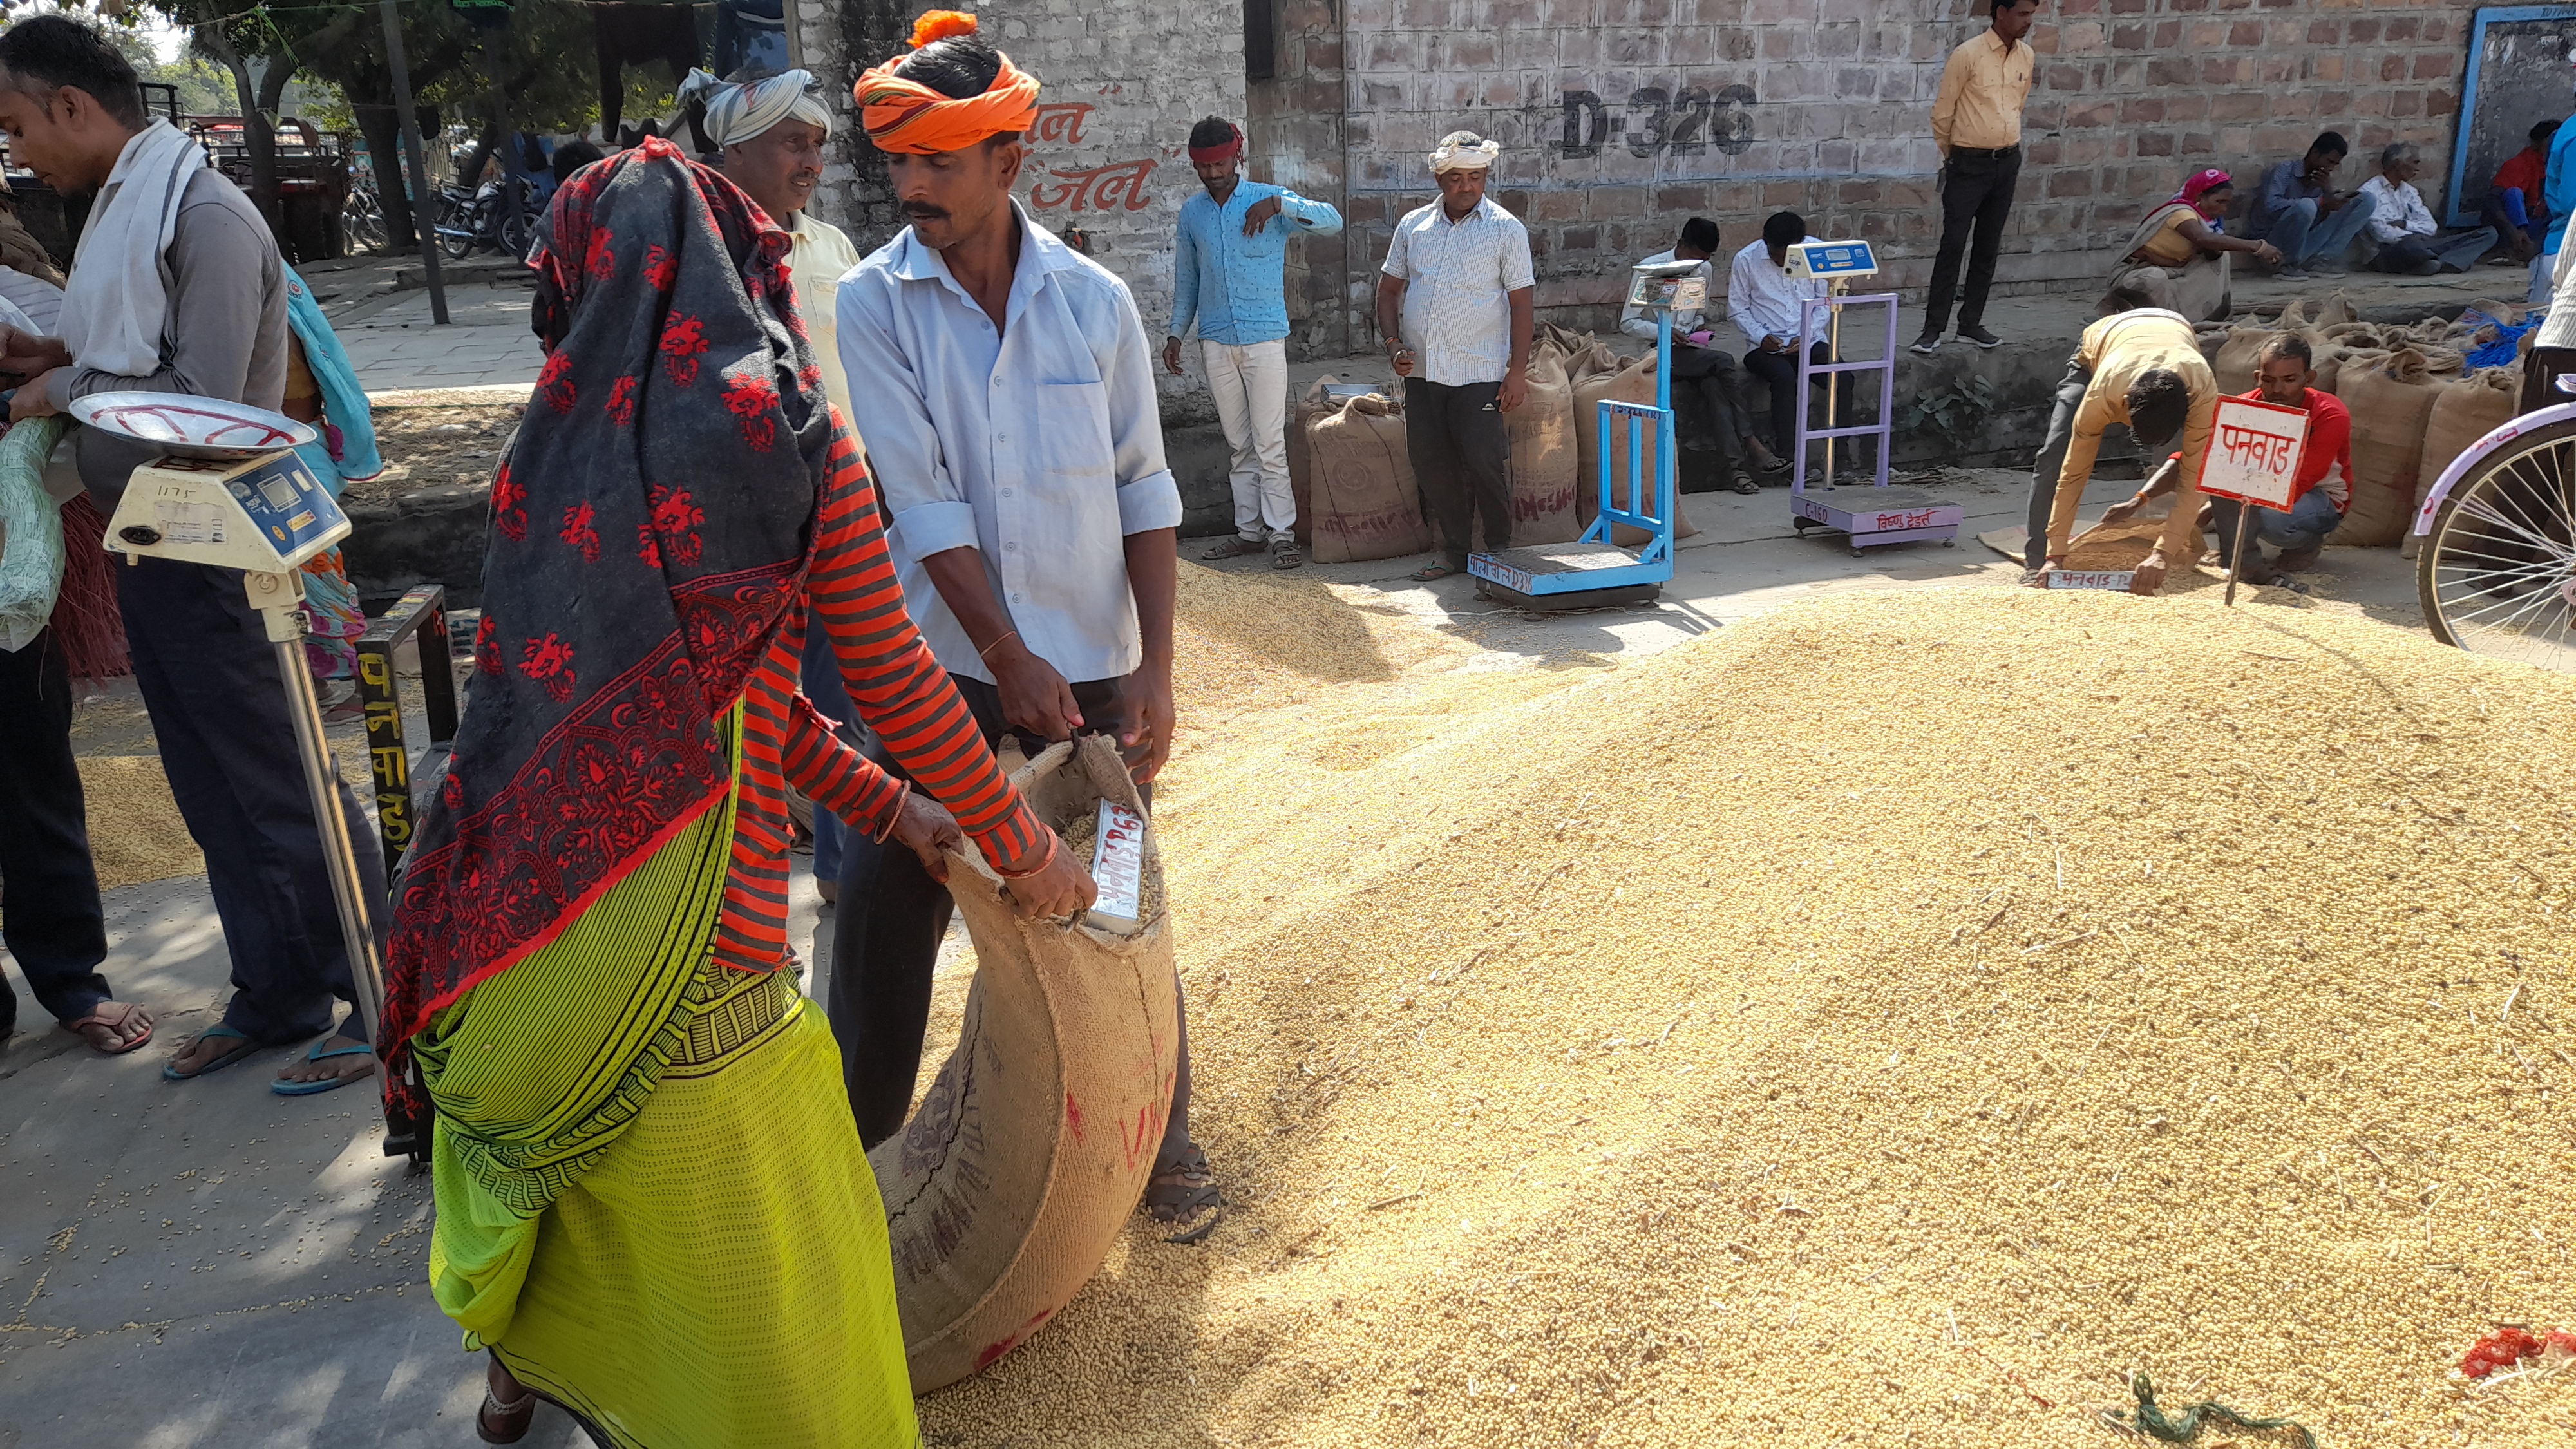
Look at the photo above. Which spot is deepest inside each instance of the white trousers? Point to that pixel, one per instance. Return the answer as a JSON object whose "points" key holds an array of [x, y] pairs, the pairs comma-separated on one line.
{"points": [[1251, 387]]}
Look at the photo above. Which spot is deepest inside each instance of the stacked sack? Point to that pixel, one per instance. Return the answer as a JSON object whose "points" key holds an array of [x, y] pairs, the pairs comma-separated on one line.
{"points": [[1364, 502], [1630, 382], [2391, 396], [1544, 468], [2466, 411]]}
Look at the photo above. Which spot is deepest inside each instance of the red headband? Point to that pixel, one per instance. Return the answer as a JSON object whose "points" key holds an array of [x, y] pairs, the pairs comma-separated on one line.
{"points": [[1231, 146]]}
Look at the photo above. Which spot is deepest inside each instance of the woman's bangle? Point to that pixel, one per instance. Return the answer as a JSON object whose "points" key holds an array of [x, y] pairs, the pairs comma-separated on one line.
{"points": [[1044, 861], [894, 816], [986, 653]]}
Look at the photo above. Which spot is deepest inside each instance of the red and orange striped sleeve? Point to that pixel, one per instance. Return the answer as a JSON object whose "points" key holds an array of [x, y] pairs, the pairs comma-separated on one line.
{"points": [[897, 686]]}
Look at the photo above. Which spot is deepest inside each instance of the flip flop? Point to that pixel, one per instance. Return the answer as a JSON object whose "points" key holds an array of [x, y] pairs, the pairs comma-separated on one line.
{"points": [[1429, 572], [285, 1088], [100, 1018], [232, 1055]]}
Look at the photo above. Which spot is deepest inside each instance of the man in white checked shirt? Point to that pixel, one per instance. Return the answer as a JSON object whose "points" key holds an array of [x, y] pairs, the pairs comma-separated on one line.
{"points": [[1454, 305]]}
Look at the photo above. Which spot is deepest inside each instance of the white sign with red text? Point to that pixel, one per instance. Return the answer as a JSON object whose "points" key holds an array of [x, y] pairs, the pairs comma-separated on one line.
{"points": [[2254, 453]]}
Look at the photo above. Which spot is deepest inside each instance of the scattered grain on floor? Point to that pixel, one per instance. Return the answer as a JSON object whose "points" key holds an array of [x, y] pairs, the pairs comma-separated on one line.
{"points": [[135, 833], [1897, 1017]]}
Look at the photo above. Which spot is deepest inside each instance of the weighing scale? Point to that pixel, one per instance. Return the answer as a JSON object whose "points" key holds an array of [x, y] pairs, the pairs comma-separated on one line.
{"points": [[1884, 515], [1593, 571], [229, 491]]}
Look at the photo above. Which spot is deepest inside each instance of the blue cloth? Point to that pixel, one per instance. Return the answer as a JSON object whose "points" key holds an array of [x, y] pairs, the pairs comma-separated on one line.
{"points": [[2506, 349], [2558, 193], [344, 400], [1230, 283], [2509, 201], [1038, 444]]}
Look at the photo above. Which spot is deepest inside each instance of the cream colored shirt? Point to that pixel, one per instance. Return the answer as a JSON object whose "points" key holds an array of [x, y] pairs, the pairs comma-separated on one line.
{"points": [[818, 257], [1982, 90], [2118, 350]]}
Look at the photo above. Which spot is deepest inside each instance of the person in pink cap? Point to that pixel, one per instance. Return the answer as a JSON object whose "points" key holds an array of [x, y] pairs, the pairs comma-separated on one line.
{"points": [[2178, 258]]}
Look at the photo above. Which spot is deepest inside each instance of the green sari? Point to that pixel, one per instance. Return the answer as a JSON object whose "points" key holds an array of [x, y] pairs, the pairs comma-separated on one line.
{"points": [[652, 1205]]}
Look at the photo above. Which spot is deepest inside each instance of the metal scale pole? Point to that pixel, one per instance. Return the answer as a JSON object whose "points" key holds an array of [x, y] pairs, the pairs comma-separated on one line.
{"points": [[276, 596], [1835, 289]]}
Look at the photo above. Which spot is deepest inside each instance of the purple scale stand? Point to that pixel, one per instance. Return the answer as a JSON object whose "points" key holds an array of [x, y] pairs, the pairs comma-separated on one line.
{"points": [[1878, 514]]}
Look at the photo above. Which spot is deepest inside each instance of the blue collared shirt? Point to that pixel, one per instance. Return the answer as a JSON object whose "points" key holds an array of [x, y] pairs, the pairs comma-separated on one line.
{"points": [[1229, 283], [1037, 444], [2558, 186]]}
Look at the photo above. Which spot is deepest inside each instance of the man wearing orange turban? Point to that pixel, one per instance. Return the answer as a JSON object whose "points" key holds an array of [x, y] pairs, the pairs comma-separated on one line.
{"points": [[1012, 422]]}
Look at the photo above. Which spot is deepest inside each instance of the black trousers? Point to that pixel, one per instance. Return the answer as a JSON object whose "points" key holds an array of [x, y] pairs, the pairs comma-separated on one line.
{"points": [[1976, 195], [1709, 375], [1460, 452], [885, 942], [49, 907], [210, 679], [1779, 372]]}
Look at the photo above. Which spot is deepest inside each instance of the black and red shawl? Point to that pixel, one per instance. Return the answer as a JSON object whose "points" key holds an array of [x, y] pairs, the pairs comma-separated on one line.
{"points": [[648, 540]]}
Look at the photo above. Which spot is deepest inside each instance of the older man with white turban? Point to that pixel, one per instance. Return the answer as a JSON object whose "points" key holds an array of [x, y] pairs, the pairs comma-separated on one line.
{"points": [[771, 133], [1454, 305]]}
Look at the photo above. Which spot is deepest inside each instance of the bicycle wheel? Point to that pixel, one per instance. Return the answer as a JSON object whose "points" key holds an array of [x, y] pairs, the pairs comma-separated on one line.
{"points": [[2497, 575]]}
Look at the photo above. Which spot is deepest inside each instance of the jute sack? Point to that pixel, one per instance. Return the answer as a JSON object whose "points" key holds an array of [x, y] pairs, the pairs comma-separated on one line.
{"points": [[1301, 459], [2239, 356], [2348, 362], [2466, 411], [1015, 1177], [1632, 383], [2306, 312], [1367, 505], [1544, 453], [2390, 401]]}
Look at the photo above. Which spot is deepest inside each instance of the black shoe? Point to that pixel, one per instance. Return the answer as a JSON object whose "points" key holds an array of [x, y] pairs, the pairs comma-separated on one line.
{"points": [[1975, 332], [1927, 344]]}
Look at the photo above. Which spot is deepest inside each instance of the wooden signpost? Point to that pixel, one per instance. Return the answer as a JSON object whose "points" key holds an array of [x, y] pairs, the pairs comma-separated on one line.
{"points": [[2253, 460]]}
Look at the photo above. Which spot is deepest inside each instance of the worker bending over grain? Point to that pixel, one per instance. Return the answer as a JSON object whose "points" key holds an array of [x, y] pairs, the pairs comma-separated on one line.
{"points": [[2321, 491], [1013, 427], [2142, 369]]}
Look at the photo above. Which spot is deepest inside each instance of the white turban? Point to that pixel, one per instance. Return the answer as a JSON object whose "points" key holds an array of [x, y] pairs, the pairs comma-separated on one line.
{"points": [[738, 113], [1464, 151]]}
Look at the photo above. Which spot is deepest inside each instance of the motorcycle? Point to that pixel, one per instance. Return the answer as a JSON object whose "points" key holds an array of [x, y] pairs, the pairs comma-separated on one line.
{"points": [[483, 219]]}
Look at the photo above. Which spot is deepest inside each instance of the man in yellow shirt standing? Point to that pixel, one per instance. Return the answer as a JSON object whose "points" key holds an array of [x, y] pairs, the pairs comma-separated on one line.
{"points": [[1976, 121], [2142, 369]]}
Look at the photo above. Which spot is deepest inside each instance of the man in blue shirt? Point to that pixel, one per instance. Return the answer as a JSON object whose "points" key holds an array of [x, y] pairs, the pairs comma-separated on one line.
{"points": [[2558, 193], [2302, 216], [1226, 270]]}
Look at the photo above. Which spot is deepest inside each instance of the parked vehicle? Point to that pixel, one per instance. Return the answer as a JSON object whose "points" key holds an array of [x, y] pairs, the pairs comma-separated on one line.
{"points": [[483, 219], [362, 213], [2497, 573]]}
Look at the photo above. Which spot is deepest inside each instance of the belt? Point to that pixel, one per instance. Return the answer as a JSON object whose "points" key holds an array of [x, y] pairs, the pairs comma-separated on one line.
{"points": [[1986, 153]]}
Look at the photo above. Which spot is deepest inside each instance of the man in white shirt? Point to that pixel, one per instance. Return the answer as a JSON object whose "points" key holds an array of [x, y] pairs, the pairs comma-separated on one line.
{"points": [[1703, 370], [2410, 241], [1014, 435], [1766, 304], [1454, 305]]}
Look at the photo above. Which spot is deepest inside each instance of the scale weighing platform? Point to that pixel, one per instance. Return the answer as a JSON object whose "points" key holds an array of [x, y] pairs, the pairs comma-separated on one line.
{"points": [[1877, 514], [1594, 571], [229, 491]]}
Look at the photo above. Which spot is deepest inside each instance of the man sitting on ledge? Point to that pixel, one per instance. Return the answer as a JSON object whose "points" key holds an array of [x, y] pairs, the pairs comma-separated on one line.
{"points": [[2411, 243]]}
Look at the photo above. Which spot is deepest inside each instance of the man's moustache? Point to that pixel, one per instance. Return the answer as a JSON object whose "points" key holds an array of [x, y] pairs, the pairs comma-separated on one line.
{"points": [[924, 213]]}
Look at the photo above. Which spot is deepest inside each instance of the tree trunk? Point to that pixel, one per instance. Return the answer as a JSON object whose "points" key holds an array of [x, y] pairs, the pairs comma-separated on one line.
{"points": [[382, 126], [257, 138]]}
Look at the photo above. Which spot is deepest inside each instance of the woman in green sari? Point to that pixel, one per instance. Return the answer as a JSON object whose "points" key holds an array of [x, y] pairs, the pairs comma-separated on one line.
{"points": [[652, 1205]]}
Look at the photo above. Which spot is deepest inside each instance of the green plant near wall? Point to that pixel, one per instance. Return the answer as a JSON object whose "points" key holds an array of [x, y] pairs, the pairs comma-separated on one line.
{"points": [[1953, 414]]}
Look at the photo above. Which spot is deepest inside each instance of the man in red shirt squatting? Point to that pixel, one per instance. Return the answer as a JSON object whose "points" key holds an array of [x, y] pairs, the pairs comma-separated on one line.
{"points": [[2323, 489]]}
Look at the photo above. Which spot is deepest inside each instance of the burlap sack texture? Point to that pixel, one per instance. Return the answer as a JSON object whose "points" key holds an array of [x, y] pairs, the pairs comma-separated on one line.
{"points": [[1014, 1178]]}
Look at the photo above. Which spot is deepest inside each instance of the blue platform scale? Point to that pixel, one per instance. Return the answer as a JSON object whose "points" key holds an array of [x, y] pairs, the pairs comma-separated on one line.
{"points": [[1593, 571]]}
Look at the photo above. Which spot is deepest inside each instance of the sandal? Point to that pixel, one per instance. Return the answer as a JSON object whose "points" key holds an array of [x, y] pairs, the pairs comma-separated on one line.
{"points": [[104, 1026], [1430, 572], [1284, 553], [284, 1088], [1744, 484], [1235, 546], [1192, 1192], [169, 1073]]}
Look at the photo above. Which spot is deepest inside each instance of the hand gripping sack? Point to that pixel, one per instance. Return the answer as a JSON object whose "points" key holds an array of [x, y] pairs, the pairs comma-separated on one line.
{"points": [[1015, 1176]]}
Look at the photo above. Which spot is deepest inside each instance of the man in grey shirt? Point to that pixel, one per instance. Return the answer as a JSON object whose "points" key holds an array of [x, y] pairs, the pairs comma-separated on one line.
{"points": [[71, 107]]}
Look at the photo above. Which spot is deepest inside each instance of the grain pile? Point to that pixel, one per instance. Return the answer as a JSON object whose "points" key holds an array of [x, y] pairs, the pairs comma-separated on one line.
{"points": [[1895, 1018]]}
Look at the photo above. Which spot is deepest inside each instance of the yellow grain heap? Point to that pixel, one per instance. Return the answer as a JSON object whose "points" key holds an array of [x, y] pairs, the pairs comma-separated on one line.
{"points": [[1893, 1020]]}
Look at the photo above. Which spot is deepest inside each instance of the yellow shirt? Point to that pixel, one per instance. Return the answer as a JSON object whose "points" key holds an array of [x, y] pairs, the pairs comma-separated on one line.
{"points": [[1982, 90], [2169, 247], [818, 257], [2118, 350]]}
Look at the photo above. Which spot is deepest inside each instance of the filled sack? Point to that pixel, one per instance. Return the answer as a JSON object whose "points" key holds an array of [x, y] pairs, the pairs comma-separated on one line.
{"points": [[2465, 411], [2391, 400], [1366, 503], [1544, 469], [1632, 383]]}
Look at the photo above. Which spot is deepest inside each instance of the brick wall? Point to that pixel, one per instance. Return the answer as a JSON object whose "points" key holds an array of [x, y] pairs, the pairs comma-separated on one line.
{"points": [[1621, 117]]}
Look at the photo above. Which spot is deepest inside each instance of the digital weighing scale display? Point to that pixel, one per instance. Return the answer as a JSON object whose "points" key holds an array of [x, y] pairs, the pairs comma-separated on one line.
{"points": [[279, 494], [1833, 259]]}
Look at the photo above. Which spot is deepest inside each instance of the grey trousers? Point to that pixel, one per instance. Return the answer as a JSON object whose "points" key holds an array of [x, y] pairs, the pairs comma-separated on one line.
{"points": [[2052, 458]]}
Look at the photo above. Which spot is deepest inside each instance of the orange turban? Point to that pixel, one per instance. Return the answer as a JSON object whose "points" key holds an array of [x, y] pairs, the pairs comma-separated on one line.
{"points": [[903, 115]]}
